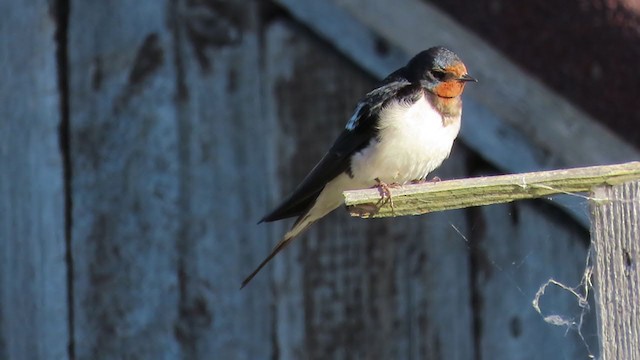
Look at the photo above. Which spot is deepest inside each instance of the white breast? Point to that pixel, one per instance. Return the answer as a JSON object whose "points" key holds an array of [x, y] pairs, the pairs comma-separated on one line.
{"points": [[412, 142]]}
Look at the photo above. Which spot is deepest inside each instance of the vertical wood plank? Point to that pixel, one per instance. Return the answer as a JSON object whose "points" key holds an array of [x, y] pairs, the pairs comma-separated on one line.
{"points": [[125, 179], [33, 284], [351, 288], [517, 248], [616, 239], [226, 174]]}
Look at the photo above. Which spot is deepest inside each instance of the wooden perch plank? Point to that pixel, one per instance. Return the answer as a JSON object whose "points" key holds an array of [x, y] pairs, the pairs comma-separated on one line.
{"points": [[454, 194], [615, 232]]}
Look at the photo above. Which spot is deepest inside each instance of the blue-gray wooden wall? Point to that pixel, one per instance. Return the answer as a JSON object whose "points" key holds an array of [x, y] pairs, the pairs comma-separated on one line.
{"points": [[140, 141]]}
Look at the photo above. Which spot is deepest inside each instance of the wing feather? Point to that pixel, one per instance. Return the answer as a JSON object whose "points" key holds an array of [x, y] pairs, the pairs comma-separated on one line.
{"points": [[360, 130]]}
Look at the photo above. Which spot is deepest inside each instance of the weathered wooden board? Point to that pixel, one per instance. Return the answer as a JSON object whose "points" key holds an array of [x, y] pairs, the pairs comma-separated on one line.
{"points": [[351, 288], [616, 241], [517, 248], [33, 277], [226, 174], [167, 141], [126, 214]]}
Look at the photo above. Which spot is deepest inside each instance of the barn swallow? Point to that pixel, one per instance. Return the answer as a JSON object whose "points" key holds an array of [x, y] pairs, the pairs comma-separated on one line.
{"points": [[399, 132]]}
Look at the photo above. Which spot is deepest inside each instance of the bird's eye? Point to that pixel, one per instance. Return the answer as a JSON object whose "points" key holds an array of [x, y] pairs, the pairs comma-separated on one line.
{"points": [[439, 75]]}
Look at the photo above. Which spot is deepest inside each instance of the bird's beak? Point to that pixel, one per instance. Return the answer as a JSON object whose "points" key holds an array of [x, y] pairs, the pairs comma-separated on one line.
{"points": [[466, 77]]}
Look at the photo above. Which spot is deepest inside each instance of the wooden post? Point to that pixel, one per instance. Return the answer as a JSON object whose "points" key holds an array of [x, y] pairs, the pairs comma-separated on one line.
{"points": [[615, 233]]}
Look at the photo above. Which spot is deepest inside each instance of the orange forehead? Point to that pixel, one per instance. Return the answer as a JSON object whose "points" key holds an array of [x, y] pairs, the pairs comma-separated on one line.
{"points": [[458, 69]]}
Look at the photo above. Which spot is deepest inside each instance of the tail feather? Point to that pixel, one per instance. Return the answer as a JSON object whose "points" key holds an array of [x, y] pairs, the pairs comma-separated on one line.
{"points": [[300, 225], [329, 199], [281, 245]]}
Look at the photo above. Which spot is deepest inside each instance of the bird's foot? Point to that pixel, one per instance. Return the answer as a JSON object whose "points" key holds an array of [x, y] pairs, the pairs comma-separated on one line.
{"points": [[385, 194]]}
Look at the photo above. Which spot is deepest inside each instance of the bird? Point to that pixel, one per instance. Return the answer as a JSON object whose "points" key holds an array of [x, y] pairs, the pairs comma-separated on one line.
{"points": [[399, 132]]}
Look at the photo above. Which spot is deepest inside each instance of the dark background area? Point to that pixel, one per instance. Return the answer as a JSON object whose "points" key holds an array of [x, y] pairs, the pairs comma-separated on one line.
{"points": [[586, 50]]}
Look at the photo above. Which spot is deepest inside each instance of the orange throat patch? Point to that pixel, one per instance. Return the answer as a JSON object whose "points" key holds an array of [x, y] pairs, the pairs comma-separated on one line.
{"points": [[449, 89]]}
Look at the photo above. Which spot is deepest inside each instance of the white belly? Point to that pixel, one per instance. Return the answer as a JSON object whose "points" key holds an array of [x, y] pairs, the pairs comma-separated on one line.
{"points": [[412, 142]]}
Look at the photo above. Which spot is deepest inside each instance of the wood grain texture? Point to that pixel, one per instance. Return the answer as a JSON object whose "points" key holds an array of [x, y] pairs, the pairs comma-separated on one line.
{"points": [[33, 278], [125, 189], [455, 194], [348, 288], [615, 235], [226, 173]]}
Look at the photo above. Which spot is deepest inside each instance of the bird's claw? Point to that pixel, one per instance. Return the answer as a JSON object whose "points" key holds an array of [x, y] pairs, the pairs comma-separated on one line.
{"points": [[385, 194]]}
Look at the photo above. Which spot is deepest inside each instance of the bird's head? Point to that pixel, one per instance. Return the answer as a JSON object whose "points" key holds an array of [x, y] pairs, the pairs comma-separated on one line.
{"points": [[440, 71]]}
